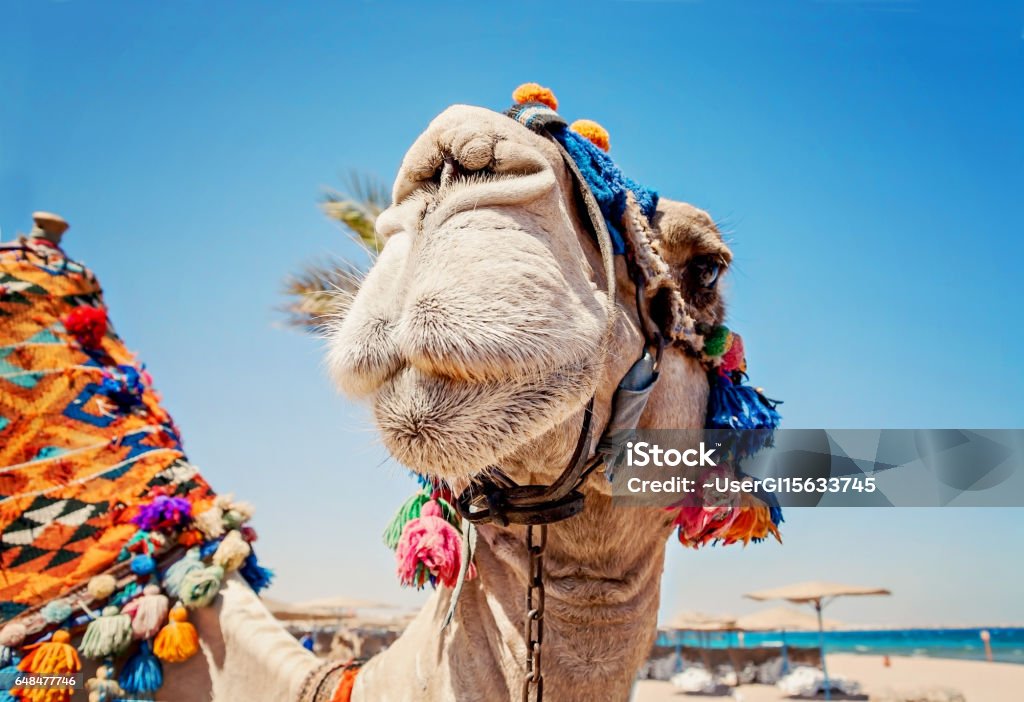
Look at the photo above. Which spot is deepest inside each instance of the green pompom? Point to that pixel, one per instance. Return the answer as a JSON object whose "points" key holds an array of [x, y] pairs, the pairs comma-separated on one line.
{"points": [[407, 512], [715, 342], [199, 587]]}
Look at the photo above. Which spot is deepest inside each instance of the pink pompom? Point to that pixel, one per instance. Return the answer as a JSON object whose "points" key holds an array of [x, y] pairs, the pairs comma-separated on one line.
{"points": [[429, 550]]}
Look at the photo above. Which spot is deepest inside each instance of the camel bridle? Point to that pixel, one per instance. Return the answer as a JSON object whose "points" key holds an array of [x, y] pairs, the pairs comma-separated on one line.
{"points": [[497, 499]]}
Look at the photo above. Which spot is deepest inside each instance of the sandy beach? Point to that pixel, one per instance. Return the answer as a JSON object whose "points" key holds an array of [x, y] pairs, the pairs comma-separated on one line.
{"points": [[978, 681]]}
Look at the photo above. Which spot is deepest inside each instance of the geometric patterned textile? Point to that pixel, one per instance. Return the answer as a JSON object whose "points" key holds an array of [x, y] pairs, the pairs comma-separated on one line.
{"points": [[83, 437]]}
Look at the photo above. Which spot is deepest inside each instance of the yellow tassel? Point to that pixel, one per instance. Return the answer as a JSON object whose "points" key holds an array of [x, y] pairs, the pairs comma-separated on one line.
{"points": [[54, 657], [533, 92], [592, 132], [178, 641]]}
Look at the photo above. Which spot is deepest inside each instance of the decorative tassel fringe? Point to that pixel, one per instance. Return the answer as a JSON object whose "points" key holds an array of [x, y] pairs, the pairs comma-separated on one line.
{"points": [[429, 550], [409, 510], [148, 612], [232, 551], [177, 571], [143, 564], [178, 641], [142, 673], [56, 611], [54, 657], [104, 687], [199, 587], [256, 575], [9, 672], [102, 586], [732, 405], [107, 635], [751, 520]]}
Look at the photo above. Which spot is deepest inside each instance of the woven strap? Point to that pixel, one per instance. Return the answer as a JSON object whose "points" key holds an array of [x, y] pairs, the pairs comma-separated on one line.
{"points": [[330, 682]]}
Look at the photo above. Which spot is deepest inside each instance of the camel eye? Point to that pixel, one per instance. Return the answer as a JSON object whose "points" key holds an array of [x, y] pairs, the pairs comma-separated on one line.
{"points": [[705, 270]]}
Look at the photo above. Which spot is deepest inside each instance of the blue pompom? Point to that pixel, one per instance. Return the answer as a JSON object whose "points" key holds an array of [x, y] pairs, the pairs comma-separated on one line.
{"points": [[143, 564], [256, 575], [56, 611], [142, 673]]}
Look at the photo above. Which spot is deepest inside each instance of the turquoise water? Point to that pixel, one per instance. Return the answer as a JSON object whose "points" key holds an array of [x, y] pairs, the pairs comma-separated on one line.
{"points": [[1007, 642]]}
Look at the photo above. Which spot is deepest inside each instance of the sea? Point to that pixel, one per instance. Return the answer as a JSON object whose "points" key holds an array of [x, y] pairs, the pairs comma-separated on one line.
{"points": [[1007, 642]]}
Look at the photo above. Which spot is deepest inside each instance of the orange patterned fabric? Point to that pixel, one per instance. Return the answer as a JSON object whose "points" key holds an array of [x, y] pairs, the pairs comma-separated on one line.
{"points": [[83, 438], [343, 693]]}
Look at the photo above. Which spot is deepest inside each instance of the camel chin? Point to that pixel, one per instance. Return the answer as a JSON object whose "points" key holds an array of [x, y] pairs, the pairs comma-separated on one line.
{"points": [[454, 429]]}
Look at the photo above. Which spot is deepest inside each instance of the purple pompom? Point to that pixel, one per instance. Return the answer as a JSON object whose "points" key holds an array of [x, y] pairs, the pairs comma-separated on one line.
{"points": [[163, 514]]}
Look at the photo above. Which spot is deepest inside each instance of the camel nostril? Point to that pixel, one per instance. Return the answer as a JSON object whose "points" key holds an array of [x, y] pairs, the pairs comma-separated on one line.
{"points": [[450, 170]]}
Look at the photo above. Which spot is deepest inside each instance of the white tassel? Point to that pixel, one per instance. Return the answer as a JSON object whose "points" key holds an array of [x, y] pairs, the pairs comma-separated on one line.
{"points": [[148, 612]]}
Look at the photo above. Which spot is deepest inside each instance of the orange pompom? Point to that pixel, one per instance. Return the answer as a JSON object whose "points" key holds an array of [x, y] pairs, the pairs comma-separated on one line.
{"points": [[592, 132], [534, 92]]}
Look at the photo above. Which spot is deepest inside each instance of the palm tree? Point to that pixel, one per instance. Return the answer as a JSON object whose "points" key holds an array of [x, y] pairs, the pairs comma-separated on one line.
{"points": [[323, 289]]}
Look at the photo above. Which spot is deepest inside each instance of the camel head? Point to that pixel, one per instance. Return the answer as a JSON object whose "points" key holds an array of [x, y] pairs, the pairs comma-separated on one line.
{"points": [[485, 326]]}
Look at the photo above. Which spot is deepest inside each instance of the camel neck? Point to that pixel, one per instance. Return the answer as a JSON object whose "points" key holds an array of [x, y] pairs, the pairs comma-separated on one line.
{"points": [[602, 570]]}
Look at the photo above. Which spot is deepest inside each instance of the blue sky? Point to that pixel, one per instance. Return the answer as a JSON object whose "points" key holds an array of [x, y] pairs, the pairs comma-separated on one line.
{"points": [[865, 157]]}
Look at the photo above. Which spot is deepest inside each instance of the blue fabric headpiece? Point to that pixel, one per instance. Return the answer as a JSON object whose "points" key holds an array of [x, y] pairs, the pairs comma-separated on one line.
{"points": [[605, 180]]}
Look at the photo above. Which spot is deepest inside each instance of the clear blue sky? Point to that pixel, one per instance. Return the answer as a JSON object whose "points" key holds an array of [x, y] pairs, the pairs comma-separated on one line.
{"points": [[865, 156]]}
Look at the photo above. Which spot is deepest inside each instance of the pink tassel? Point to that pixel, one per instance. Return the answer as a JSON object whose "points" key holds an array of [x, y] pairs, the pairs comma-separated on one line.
{"points": [[699, 525], [429, 550], [148, 612]]}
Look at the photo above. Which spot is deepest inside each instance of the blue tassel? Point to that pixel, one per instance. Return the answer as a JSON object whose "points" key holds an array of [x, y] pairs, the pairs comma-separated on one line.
{"points": [[8, 675], [740, 408], [142, 673], [208, 548], [256, 575]]}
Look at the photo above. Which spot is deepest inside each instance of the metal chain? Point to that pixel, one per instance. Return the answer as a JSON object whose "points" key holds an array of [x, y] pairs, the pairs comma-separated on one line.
{"points": [[534, 679]]}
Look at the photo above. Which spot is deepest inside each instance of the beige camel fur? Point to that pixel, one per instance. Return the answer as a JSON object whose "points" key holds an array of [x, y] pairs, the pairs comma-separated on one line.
{"points": [[478, 338]]}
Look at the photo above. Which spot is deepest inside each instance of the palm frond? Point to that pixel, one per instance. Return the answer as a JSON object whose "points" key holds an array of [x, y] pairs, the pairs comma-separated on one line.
{"points": [[325, 289], [319, 292]]}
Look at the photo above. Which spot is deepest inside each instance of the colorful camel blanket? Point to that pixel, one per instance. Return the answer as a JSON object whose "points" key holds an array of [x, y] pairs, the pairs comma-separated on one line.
{"points": [[96, 493], [83, 438]]}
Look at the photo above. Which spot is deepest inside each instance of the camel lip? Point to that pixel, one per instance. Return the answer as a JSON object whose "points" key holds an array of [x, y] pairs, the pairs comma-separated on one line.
{"points": [[455, 429]]}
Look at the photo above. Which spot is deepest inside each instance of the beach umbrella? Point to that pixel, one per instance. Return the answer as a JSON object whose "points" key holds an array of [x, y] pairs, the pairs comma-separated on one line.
{"points": [[817, 594], [783, 619]]}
